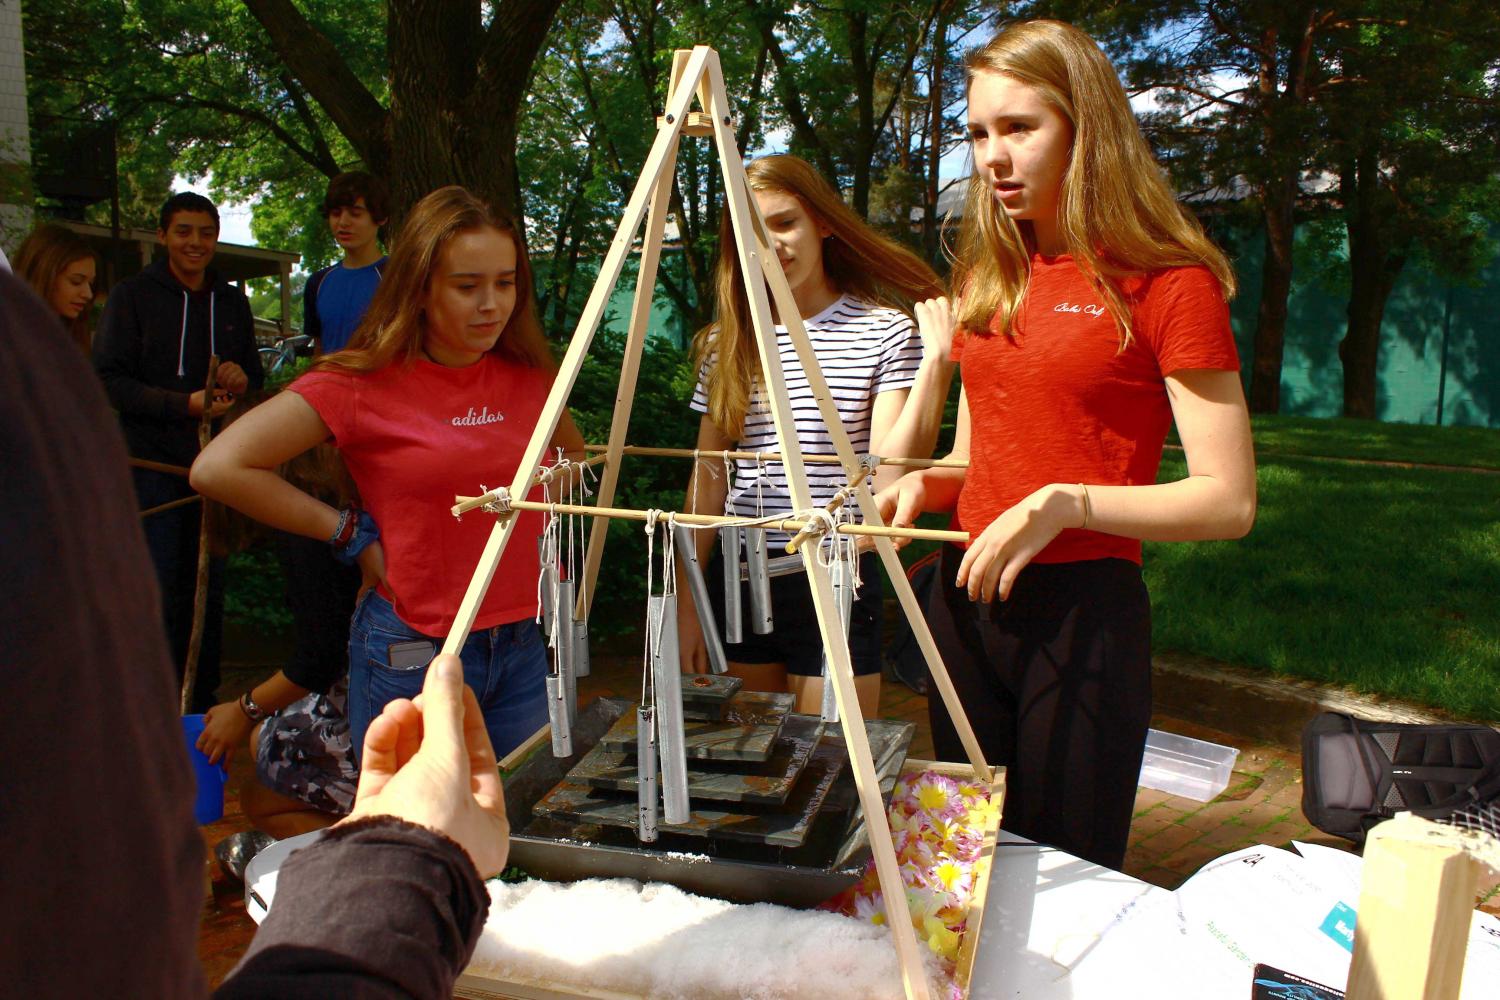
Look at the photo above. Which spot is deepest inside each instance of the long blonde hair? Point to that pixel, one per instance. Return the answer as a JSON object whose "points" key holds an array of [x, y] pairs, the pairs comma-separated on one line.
{"points": [[1116, 213], [392, 329], [858, 261]]}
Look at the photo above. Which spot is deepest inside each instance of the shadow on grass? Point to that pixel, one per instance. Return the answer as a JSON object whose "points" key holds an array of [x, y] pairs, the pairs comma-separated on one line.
{"points": [[1386, 580]]}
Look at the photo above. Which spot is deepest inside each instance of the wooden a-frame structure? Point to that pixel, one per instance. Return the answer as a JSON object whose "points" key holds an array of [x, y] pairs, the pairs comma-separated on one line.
{"points": [[697, 73]]}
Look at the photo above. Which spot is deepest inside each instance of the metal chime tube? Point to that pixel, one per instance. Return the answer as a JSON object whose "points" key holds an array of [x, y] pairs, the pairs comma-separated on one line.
{"points": [[682, 537], [580, 648], [842, 572], [646, 793], [548, 578], [757, 568], [557, 714], [565, 647], [666, 669], [734, 615]]}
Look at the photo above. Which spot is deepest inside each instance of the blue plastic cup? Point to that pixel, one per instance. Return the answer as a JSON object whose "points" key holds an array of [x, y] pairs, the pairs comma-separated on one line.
{"points": [[208, 802]]}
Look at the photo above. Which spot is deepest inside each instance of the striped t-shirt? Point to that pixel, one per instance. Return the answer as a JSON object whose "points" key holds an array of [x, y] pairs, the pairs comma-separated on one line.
{"points": [[864, 350]]}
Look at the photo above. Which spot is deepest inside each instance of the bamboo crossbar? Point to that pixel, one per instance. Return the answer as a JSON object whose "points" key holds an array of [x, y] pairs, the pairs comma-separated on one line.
{"points": [[772, 456], [171, 505], [142, 463], [790, 525]]}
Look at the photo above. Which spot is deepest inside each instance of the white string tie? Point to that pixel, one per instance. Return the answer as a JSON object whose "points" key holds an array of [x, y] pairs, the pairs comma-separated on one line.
{"points": [[499, 499]]}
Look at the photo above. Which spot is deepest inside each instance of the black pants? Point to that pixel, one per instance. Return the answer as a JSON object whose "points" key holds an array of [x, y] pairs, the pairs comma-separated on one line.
{"points": [[795, 639], [172, 538], [1056, 682]]}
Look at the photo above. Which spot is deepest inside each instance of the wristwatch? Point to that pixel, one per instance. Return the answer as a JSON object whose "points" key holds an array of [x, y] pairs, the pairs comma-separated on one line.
{"points": [[252, 711]]}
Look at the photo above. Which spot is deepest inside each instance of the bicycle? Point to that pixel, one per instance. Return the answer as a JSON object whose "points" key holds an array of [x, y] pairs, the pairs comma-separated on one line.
{"points": [[285, 352]]}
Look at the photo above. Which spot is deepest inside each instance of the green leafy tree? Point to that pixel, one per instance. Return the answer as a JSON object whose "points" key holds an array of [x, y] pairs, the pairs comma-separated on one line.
{"points": [[1412, 140], [1237, 86]]}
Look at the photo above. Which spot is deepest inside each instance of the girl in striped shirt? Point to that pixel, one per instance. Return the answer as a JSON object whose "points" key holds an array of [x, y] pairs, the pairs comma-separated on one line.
{"points": [[853, 288]]}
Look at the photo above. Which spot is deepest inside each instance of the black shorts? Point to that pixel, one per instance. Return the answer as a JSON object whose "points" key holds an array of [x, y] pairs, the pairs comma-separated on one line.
{"points": [[796, 640]]}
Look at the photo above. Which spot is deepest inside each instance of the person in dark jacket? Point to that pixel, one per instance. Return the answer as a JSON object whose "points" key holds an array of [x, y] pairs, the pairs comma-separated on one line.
{"points": [[152, 350], [102, 867]]}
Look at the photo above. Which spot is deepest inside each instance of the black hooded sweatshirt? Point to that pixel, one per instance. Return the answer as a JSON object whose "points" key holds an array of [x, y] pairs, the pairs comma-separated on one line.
{"points": [[152, 352]]}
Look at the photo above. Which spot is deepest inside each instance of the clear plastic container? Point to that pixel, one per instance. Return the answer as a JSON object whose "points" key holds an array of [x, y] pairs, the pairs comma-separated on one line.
{"points": [[1181, 765]]}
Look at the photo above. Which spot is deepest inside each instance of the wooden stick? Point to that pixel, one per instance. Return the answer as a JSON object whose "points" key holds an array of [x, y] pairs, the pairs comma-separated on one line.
{"points": [[635, 343], [787, 524], [176, 470], [171, 505], [572, 362], [200, 592], [754, 252], [772, 456]]}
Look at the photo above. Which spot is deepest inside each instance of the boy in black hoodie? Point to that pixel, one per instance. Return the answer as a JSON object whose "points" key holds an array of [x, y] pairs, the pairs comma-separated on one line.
{"points": [[151, 351]]}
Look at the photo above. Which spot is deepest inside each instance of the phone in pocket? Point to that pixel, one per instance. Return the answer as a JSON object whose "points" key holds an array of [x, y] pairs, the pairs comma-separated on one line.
{"points": [[410, 655]]}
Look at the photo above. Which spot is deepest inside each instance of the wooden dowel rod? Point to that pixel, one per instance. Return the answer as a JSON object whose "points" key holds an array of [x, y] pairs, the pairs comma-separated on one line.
{"points": [[771, 456], [171, 504], [176, 470], [200, 591], [789, 525], [467, 504]]}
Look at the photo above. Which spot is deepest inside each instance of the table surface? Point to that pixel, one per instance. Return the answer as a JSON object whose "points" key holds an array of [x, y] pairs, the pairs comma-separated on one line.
{"points": [[1044, 914]]}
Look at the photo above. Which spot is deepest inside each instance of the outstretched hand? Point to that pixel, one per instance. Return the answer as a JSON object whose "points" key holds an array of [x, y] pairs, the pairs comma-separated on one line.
{"points": [[429, 761]]}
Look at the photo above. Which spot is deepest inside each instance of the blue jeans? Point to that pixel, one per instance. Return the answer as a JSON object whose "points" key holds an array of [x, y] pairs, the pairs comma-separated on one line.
{"points": [[505, 665]]}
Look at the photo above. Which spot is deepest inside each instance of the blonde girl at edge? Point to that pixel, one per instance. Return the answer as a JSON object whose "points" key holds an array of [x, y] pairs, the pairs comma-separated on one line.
{"points": [[437, 392], [1094, 314], [854, 289]]}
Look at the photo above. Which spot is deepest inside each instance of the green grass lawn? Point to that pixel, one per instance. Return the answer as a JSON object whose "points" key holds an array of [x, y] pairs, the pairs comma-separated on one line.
{"points": [[1470, 447], [1383, 579]]}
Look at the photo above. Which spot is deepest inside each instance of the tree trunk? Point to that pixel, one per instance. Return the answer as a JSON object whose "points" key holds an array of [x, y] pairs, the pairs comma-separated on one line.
{"points": [[931, 224], [457, 86], [864, 103], [1278, 211], [1281, 134], [1373, 268]]}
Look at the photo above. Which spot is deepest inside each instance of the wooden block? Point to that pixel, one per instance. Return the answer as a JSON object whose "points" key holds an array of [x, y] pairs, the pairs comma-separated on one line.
{"points": [[696, 124], [1416, 901]]}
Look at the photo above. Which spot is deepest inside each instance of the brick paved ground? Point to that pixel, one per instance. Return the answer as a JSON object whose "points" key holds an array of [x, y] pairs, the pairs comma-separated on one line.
{"points": [[1171, 837]]}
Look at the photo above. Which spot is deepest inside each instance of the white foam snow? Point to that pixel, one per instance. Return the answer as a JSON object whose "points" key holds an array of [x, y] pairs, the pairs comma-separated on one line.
{"points": [[657, 941]]}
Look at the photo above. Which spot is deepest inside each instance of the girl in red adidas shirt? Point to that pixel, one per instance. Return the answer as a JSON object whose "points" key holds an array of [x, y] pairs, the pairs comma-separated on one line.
{"points": [[1093, 315], [436, 395]]}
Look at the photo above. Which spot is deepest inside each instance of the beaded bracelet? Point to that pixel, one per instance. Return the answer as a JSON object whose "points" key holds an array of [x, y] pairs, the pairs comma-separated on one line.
{"points": [[348, 520], [363, 532]]}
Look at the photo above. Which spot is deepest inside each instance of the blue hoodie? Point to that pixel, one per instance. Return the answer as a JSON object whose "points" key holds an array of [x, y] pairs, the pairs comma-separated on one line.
{"points": [[152, 351]]}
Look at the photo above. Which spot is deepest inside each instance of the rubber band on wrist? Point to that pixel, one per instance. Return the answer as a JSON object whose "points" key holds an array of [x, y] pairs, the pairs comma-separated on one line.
{"points": [[1087, 509]]}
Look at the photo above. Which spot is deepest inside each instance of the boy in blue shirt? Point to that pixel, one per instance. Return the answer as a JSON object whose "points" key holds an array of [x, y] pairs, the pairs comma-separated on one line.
{"points": [[336, 297]]}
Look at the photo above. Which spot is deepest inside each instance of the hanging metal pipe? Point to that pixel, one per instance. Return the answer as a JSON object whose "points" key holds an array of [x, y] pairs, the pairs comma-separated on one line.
{"points": [[734, 613], [661, 619], [646, 793], [683, 541]]}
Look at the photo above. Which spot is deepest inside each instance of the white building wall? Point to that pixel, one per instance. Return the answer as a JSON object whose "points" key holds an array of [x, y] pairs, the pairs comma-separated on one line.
{"points": [[15, 132]]}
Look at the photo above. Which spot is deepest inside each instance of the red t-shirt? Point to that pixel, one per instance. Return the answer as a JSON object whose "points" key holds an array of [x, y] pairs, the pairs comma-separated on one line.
{"points": [[1058, 402], [413, 438]]}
